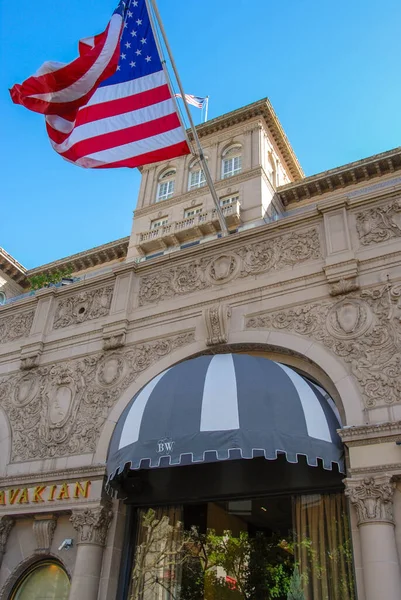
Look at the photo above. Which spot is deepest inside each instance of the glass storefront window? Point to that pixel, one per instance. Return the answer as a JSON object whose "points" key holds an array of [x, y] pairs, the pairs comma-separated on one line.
{"points": [[259, 549], [45, 581]]}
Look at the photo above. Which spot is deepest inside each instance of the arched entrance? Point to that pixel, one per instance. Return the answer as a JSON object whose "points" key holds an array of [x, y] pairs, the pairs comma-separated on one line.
{"points": [[232, 466]]}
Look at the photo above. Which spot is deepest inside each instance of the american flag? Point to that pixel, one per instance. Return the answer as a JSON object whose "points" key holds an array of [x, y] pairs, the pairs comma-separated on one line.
{"points": [[129, 119], [194, 100]]}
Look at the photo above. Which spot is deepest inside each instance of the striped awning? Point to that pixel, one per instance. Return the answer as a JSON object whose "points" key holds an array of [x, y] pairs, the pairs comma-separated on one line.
{"points": [[225, 407]]}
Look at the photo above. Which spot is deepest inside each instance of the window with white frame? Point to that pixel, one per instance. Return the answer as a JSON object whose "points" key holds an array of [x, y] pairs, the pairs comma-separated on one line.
{"points": [[191, 212], [197, 179], [156, 223], [231, 161], [165, 188], [228, 200]]}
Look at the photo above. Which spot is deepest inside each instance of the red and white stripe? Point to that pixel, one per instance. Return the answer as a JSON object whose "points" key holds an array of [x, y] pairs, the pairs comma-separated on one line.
{"points": [[123, 125], [59, 89]]}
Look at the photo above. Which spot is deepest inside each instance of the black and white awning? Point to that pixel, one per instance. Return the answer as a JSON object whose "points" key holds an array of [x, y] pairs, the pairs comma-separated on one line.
{"points": [[225, 407]]}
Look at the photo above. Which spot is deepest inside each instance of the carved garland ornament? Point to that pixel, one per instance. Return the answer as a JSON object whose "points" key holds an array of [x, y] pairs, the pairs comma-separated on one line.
{"points": [[379, 224], [82, 307], [6, 524], [60, 409], [16, 327], [372, 498], [253, 259], [363, 329]]}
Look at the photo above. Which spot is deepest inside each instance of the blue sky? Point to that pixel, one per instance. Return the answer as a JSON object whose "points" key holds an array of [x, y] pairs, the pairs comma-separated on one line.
{"points": [[330, 69]]}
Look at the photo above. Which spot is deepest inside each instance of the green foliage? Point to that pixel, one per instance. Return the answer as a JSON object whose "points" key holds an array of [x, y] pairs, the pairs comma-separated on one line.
{"points": [[295, 591], [37, 282]]}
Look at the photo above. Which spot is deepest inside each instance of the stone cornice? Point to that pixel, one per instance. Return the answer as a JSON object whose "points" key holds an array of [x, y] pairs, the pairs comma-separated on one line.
{"points": [[97, 471], [12, 268], [87, 259], [367, 433], [199, 192], [342, 177]]}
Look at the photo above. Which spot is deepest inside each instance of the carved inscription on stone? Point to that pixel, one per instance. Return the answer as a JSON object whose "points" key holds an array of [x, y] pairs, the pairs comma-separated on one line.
{"points": [[15, 327], [60, 409], [252, 259], [82, 307], [363, 329], [379, 224]]}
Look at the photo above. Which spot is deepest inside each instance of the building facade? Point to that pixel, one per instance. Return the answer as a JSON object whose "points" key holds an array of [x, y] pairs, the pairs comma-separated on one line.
{"points": [[308, 280]]}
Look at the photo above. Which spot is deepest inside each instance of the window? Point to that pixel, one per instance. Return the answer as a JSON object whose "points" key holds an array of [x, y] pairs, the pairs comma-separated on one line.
{"points": [[191, 212], [232, 161], [229, 200], [158, 223], [271, 169], [2, 298], [165, 189], [196, 179], [45, 580], [243, 548]]}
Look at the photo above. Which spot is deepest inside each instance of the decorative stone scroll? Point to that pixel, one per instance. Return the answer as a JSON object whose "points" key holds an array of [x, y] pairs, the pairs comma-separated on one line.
{"points": [[16, 326], [92, 524], [379, 224], [363, 329], [278, 252], [372, 498], [85, 306], [59, 409], [6, 524], [44, 527], [216, 322]]}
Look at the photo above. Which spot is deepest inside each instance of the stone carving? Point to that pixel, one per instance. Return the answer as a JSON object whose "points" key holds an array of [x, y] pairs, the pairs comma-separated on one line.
{"points": [[379, 224], [16, 327], [111, 342], [92, 524], [223, 268], [60, 409], [85, 306], [348, 319], [216, 321], [44, 527], [364, 330], [6, 524], [372, 498], [252, 259], [344, 286]]}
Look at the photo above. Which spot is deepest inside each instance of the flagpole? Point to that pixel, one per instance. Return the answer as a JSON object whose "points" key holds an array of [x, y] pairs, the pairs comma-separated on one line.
{"points": [[206, 108], [202, 158]]}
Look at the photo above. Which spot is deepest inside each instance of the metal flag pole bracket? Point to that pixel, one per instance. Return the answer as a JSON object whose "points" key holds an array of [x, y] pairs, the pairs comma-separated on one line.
{"points": [[200, 153]]}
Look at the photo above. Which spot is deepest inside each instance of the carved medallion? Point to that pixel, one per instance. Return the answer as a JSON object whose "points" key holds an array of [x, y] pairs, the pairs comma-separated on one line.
{"points": [[26, 389], [349, 319], [111, 370], [223, 269]]}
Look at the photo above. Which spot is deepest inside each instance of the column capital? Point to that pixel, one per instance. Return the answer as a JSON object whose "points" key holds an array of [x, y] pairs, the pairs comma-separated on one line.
{"points": [[6, 524], [372, 498], [92, 524]]}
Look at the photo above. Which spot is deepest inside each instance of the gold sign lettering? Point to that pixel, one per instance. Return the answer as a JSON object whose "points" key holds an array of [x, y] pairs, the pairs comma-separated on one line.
{"points": [[37, 493], [41, 494], [82, 490], [12, 495]]}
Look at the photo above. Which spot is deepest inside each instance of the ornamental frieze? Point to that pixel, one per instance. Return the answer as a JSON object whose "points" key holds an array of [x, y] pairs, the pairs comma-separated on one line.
{"points": [[379, 224], [59, 410], [363, 329], [16, 327], [82, 307], [279, 252]]}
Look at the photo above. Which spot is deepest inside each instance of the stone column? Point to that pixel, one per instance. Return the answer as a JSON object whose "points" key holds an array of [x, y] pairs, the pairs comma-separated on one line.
{"points": [[91, 525], [372, 498], [6, 524]]}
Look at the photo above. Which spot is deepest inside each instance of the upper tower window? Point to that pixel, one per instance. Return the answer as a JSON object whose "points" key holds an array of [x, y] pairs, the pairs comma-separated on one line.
{"points": [[232, 161], [197, 177], [165, 188], [271, 170]]}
